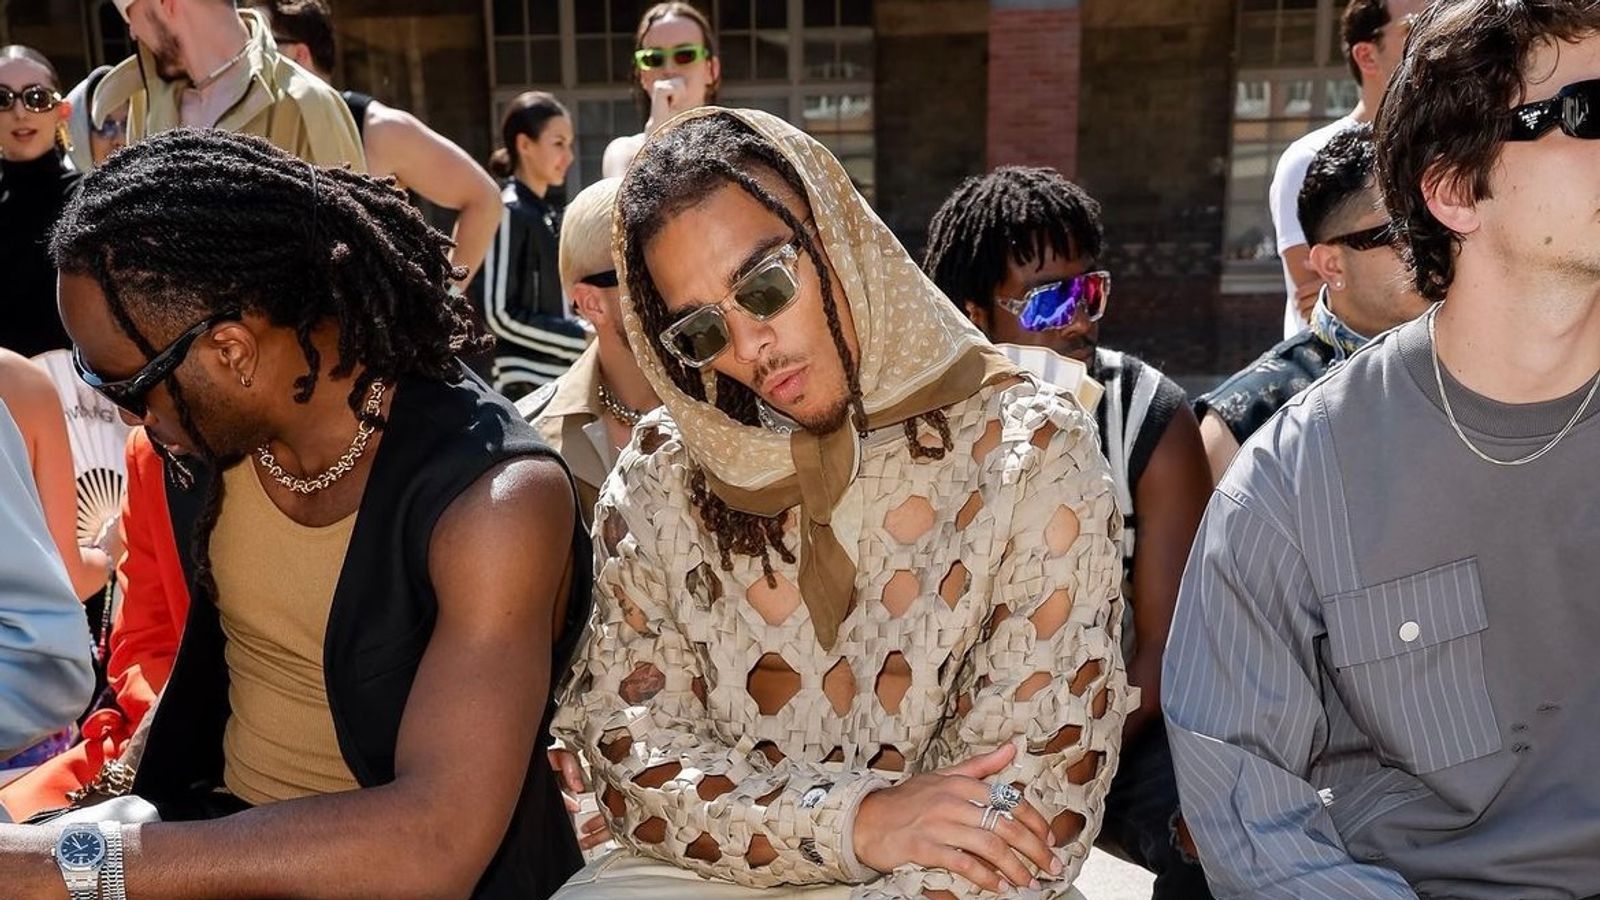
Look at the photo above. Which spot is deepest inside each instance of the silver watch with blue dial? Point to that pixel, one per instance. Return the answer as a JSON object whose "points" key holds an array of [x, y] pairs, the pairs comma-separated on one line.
{"points": [[80, 853]]}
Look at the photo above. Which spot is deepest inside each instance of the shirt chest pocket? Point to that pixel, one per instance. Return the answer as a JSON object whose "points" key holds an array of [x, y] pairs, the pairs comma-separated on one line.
{"points": [[1408, 660]]}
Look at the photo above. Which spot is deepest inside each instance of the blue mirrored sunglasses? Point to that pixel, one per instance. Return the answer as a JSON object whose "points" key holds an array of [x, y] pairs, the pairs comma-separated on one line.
{"points": [[1055, 305]]}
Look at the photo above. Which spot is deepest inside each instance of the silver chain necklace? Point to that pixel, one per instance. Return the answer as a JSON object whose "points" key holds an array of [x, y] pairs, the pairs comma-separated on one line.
{"points": [[216, 73], [340, 468], [1438, 376], [770, 422], [618, 410]]}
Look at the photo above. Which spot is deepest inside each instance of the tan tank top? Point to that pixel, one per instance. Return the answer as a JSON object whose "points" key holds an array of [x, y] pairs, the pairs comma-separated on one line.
{"points": [[275, 583]]}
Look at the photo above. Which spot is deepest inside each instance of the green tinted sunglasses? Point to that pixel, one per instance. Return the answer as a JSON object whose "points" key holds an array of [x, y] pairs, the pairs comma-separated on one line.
{"points": [[681, 55], [700, 336]]}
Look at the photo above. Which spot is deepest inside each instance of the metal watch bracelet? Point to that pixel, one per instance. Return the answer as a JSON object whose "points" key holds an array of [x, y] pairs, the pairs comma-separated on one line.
{"points": [[113, 884]]}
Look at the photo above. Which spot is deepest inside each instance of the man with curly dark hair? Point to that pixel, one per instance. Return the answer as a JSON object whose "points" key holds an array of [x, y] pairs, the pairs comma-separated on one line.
{"points": [[1380, 681]]}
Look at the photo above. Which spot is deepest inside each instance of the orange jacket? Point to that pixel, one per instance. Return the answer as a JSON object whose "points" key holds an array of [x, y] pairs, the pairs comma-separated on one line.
{"points": [[144, 638]]}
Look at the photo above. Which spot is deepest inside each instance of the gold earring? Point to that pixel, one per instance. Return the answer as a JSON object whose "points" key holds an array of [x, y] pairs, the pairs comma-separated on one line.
{"points": [[64, 137]]}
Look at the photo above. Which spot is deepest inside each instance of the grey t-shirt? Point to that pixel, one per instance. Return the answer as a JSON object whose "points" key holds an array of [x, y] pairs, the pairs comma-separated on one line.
{"points": [[1380, 680]]}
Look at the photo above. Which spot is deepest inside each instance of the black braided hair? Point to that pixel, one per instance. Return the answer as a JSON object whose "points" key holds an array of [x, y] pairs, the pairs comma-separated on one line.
{"points": [[192, 223], [673, 172], [1012, 213]]}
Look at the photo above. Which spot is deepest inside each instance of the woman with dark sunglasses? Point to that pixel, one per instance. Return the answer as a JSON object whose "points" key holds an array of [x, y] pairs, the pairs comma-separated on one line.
{"points": [[676, 66], [35, 183]]}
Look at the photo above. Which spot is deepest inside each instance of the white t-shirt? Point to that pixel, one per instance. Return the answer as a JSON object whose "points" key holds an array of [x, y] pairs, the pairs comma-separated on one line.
{"points": [[1285, 201]]}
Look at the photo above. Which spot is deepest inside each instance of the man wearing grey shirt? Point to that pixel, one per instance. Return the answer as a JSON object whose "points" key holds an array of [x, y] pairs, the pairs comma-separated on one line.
{"points": [[1380, 677], [45, 672]]}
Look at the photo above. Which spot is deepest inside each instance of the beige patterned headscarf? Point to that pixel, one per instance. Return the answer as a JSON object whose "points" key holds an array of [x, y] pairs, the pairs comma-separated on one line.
{"points": [[918, 354]]}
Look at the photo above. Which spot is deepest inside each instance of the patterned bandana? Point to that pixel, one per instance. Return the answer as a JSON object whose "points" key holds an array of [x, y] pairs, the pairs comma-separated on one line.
{"points": [[1326, 326], [918, 354]]}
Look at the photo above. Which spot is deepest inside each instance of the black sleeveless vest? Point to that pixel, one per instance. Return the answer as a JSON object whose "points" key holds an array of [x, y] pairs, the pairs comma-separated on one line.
{"points": [[358, 104], [440, 439]]}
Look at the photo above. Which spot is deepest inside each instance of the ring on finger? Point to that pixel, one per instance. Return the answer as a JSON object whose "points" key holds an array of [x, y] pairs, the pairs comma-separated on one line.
{"points": [[1004, 797], [999, 813], [991, 818]]}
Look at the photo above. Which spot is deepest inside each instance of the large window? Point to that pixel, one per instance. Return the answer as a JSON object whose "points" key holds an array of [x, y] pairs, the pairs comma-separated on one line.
{"points": [[809, 61], [1292, 78]]}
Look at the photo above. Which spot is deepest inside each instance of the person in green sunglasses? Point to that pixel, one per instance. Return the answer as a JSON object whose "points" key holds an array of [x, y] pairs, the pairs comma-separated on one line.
{"points": [[675, 57]]}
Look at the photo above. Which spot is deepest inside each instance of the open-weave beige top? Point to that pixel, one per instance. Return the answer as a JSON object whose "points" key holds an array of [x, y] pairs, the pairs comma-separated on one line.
{"points": [[990, 576]]}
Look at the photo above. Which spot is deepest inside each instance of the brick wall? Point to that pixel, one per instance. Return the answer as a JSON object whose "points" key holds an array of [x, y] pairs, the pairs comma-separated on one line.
{"points": [[1034, 55], [1154, 112], [929, 108]]}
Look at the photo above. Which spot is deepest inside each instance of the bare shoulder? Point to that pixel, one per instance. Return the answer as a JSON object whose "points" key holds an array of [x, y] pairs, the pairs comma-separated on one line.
{"points": [[620, 153], [510, 491], [385, 121], [25, 387]]}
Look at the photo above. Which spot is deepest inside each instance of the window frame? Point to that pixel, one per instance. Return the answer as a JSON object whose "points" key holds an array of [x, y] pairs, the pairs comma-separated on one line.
{"points": [[794, 88], [1327, 73]]}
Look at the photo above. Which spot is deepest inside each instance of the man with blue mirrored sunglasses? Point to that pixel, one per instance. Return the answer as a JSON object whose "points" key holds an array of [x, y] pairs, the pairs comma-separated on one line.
{"points": [[1018, 251]]}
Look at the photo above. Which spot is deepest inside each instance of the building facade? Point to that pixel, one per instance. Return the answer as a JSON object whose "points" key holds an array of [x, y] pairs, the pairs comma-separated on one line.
{"points": [[1171, 112]]}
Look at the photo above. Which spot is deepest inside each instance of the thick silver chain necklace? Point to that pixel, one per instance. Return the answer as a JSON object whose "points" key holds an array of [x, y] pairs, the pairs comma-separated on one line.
{"points": [[1438, 376], [618, 410], [341, 467]]}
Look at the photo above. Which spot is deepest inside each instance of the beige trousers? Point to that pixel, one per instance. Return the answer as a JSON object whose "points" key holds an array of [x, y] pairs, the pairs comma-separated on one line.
{"points": [[621, 875]]}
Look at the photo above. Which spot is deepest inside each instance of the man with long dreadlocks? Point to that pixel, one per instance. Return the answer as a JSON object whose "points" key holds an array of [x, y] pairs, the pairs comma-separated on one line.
{"points": [[1018, 250], [857, 585], [384, 554]]}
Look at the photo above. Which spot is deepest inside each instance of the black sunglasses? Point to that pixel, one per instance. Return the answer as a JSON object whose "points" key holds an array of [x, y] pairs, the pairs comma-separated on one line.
{"points": [[1366, 238], [35, 98], [606, 279], [1575, 108], [129, 393]]}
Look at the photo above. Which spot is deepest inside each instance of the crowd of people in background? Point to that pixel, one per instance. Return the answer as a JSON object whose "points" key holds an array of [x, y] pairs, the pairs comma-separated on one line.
{"points": [[691, 538]]}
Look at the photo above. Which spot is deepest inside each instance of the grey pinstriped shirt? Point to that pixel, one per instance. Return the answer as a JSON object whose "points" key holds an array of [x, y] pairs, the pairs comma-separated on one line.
{"points": [[1380, 681]]}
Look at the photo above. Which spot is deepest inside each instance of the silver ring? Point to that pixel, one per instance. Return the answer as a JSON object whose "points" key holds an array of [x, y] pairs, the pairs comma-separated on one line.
{"points": [[1004, 797], [991, 818]]}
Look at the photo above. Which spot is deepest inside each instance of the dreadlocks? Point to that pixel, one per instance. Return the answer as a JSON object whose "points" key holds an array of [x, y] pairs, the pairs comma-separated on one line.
{"points": [[189, 224], [1012, 213], [675, 171]]}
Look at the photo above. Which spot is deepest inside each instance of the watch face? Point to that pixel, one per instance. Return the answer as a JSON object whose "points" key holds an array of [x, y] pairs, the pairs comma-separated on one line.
{"points": [[81, 849]]}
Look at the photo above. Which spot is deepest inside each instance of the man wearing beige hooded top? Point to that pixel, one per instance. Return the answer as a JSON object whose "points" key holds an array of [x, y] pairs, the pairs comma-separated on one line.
{"points": [[857, 592]]}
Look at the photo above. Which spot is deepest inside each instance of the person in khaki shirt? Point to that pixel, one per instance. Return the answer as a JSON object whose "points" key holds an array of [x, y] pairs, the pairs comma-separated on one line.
{"points": [[205, 64], [588, 414]]}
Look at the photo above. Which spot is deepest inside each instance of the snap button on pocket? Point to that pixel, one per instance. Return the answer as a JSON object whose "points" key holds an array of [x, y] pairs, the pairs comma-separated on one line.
{"points": [[1408, 657]]}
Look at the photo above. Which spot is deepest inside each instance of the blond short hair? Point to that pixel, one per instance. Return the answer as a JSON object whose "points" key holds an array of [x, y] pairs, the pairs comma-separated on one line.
{"points": [[586, 232]]}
